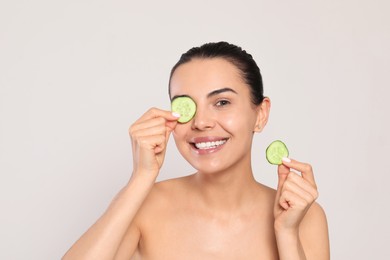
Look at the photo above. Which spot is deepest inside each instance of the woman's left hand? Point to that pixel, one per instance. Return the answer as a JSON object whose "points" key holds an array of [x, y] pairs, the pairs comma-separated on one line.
{"points": [[295, 194]]}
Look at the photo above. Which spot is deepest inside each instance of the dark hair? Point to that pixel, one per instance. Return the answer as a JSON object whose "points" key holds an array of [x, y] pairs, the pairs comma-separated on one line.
{"points": [[249, 70]]}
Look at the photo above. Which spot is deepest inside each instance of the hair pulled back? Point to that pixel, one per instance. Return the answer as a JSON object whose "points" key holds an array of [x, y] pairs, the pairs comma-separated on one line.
{"points": [[244, 62]]}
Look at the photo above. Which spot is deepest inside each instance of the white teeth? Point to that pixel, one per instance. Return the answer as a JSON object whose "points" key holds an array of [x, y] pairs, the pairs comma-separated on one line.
{"points": [[209, 145]]}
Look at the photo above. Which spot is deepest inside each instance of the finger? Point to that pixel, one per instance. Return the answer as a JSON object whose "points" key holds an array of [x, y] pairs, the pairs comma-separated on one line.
{"points": [[283, 172], [154, 130], [309, 195], [152, 126], [305, 169], [303, 184], [155, 112], [169, 130], [171, 125], [147, 124], [290, 199], [158, 130], [152, 142]]}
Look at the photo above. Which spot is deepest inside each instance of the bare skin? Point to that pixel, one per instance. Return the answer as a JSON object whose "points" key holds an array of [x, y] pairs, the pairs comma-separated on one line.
{"points": [[192, 229], [220, 212]]}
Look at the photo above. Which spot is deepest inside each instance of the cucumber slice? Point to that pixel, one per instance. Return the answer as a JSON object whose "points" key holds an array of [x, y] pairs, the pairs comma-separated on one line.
{"points": [[276, 151], [185, 106]]}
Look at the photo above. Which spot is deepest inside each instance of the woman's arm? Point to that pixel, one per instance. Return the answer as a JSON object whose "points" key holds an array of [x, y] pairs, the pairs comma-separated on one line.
{"points": [[300, 223], [149, 137], [311, 241], [101, 241], [314, 234]]}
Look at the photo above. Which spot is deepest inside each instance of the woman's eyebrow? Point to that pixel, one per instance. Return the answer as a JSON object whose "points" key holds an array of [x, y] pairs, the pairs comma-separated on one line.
{"points": [[219, 91], [209, 95]]}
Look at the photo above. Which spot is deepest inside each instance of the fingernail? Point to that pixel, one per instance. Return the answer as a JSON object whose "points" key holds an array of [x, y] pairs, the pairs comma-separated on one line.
{"points": [[175, 114], [285, 159]]}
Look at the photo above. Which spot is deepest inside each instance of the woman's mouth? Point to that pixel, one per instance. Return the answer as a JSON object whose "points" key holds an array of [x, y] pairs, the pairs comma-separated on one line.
{"points": [[209, 145], [206, 145]]}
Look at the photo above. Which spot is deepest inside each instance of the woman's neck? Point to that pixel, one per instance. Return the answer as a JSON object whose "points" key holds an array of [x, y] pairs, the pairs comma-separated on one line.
{"points": [[227, 190]]}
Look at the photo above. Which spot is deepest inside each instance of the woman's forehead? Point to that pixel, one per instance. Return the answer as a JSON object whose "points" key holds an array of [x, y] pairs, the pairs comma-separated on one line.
{"points": [[205, 75]]}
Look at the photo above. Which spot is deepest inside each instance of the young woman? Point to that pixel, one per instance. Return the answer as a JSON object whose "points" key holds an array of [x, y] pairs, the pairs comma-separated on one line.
{"points": [[220, 211]]}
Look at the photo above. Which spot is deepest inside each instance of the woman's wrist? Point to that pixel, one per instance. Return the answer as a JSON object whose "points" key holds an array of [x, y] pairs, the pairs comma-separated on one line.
{"points": [[144, 176], [289, 244], [282, 230]]}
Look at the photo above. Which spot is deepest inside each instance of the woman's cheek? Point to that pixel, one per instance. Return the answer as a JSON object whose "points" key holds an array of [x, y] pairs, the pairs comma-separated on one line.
{"points": [[179, 130], [230, 121], [237, 123], [176, 134], [179, 135]]}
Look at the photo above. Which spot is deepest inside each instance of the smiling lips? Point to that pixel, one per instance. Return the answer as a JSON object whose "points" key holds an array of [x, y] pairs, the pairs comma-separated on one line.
{"points": [[208, 144]]}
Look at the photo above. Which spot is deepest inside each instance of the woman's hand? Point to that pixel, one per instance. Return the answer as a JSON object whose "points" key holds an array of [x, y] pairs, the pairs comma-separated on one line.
{"points": [[295, 194], [149, 137]]}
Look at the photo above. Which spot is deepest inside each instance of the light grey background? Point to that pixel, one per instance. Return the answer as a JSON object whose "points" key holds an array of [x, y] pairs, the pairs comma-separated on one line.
{"points": [[75, 74]]}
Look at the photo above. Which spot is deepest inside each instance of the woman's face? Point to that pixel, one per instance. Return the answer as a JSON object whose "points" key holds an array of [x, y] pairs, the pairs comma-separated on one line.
{"points": [[220, 134]]}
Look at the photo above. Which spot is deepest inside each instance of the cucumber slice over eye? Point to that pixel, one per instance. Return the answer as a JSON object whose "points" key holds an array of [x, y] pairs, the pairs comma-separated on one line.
{"points": [[185, 106], [276, 151]]}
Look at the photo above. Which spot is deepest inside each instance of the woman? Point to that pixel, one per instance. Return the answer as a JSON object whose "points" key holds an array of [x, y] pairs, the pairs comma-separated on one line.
{"points": [[219, 212]]}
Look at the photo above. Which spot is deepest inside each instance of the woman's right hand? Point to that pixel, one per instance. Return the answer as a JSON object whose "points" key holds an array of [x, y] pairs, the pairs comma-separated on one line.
{"points": [[149, 136]]}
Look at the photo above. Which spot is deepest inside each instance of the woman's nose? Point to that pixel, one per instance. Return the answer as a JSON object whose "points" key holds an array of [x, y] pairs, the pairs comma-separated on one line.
{"points": [[203, 120]]}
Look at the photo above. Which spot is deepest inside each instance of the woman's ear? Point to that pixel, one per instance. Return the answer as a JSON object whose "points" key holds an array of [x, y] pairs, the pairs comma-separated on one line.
{"points": [[262, 114]]}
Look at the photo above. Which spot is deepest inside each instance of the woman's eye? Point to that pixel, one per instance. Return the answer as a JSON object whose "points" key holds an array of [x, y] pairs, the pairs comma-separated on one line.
{"points": [[222, 103]]}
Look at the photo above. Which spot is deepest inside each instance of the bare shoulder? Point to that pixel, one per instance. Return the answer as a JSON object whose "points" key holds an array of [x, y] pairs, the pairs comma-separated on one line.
{"points": [[162, 195], [175, 182], [313, 233], [267, 192], [154, 212], [316, 212], [170, 188], [315, 217]]}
